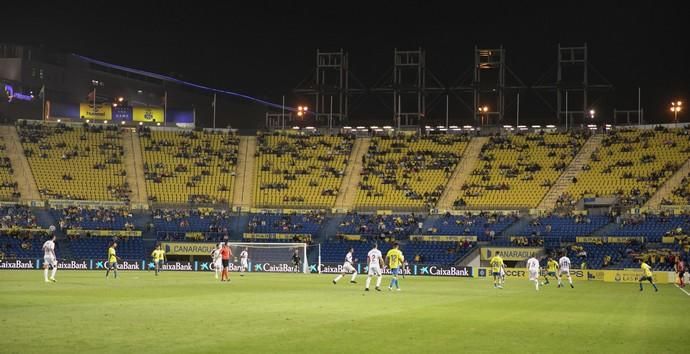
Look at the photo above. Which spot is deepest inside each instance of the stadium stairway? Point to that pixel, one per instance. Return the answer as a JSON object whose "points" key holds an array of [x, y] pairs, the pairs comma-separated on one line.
{"points": [[516, 226], [573, 170], [26, 184], [467, 163], [329, 228], [606, 230], [353, 172], [242, 193], [237, 230], [44, 218], [141, 221], [667, 188], [134, 166]]}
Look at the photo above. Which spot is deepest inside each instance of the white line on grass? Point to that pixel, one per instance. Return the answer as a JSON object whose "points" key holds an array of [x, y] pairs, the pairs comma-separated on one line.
{"points": [[681, 289]]}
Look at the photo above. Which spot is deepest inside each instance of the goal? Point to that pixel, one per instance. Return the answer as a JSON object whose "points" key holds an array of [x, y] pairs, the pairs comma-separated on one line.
{"points": [[276, 257]]}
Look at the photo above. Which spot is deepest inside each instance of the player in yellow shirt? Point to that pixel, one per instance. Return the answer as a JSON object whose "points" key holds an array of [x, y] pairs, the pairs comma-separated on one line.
{"points": [[158, 256], [551, 270], [647, 274], [112, 260], [496, 263], [395, 261]]}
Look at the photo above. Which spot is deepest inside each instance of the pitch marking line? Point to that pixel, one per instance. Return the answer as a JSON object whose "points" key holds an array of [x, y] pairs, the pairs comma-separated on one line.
{"points": [[681, 289]]}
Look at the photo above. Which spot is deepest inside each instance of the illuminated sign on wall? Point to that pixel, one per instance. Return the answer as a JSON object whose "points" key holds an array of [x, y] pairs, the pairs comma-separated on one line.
{"points": [[11, 95]]}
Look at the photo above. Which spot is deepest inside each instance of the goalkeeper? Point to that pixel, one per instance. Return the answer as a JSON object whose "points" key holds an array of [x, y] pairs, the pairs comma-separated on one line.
{"points": [[296, 261]]}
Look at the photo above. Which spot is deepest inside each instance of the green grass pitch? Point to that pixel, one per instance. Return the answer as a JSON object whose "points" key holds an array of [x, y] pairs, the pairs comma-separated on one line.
{"points": [[296, 313]]}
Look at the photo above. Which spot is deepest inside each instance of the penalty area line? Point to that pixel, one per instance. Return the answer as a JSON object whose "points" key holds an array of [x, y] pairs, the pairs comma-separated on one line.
{"points": [[681, 289]]}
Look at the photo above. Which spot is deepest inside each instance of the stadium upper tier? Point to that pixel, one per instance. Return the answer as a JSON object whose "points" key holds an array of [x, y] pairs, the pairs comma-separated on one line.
{"points": [[518, 170], [75, 162], [681, 194], [8, 186], [632, 164], [185, 166], [408, 171], [295, 170]]}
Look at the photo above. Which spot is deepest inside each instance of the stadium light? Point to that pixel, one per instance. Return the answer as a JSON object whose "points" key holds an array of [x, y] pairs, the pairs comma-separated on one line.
{"points": [[158, 124], [484, 110], [114, 104], [120, 99], [105, 122], [591, 113], [58, 120], [302, 110], [122, 122], [675, 108], [141, 123], [88, 121]]}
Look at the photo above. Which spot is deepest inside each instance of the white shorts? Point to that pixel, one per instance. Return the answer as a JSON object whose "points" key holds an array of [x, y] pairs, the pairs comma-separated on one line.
{"points": [[533, 274], [374, 270], [348, 268], [502, 272], [218, 264], [50, 260], [244, 263], [564, 271]]}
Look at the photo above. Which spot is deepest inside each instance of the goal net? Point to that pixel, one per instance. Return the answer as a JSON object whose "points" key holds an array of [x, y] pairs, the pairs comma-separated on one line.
{"points": [[272, 257]]}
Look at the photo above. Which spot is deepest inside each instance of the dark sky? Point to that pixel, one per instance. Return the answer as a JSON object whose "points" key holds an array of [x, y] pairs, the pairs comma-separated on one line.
{"points": [[266, 48]]}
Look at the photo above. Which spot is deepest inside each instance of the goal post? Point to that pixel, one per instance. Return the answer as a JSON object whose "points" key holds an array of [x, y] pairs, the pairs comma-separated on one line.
{"points": [[272, 256]]}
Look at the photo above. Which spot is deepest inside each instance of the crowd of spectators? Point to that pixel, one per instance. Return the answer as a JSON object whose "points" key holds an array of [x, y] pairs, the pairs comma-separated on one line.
{"points": [[382, 226], [286, 223], [401, 171], [95, 219], [201, 219]]}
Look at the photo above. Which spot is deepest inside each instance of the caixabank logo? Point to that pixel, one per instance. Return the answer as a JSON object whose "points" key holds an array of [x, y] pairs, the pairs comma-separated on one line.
{"points": [[73, 265], [441, 271], [405, 270], [126, 265], [275, 268], [173, 266], [18, 264], [209, 266]]}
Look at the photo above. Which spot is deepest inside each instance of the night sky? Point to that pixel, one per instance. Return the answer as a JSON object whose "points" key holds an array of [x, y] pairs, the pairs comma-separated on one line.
{"points": [[266, 48]]}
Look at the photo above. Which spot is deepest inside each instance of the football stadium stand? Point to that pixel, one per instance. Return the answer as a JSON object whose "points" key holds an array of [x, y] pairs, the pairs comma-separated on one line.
{"points": [[517, 170], [94, 219], [309, 223], [300, 169], [408, 171], [96, 247], [565, 228], [291, 187], [8, 186], [632, 164], [75, 162], [184, 166], [485, 226], [380, 226]]}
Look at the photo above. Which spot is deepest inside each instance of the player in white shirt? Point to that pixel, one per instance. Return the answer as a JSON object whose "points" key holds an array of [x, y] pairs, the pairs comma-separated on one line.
{"points": [[244, 263], [217, 262], [502, 276], [49, 259], [564, 268], [375, 264], [533, 270], [348, 267]]}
